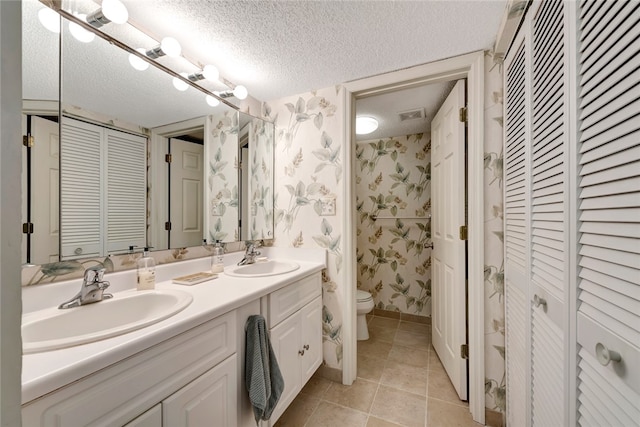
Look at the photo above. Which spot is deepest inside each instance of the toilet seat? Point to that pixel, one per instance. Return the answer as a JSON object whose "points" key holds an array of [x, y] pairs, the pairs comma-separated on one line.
{"points": [[363, 296]]}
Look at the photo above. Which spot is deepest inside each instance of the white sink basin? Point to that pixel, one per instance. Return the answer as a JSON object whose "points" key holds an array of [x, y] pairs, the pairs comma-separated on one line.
{"points": [[263, 268], [53, 328]]}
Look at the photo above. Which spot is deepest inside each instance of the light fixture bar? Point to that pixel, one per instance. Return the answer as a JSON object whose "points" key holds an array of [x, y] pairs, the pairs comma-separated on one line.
{"points": [[56, 6]]}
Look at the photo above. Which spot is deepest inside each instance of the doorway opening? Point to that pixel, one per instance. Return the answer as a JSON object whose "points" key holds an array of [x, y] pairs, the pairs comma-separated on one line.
{"points": [[471, 68]]}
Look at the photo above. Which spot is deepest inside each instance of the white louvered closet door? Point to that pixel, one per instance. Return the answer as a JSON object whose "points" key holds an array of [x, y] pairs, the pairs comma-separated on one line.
{"points": [[516, 207], [126, 190], [550, 216], [80, 186], [608, 319]]}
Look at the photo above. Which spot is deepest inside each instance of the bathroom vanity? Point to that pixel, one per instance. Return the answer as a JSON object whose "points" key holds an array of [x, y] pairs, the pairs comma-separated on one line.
{"points": [[185, 370]]}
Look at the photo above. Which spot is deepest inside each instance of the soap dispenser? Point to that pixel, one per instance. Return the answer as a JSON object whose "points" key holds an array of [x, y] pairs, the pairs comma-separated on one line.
{"points": [[217, 263], [146, 272]]}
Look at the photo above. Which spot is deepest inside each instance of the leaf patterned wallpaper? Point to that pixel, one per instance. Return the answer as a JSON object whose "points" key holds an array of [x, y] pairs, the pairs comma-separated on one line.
{"points": [[393, 187], [309, 151], [221, 196]]}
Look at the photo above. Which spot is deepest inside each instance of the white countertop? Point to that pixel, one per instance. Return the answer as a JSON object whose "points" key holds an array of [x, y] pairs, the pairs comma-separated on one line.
{"points": [[45, 372]]}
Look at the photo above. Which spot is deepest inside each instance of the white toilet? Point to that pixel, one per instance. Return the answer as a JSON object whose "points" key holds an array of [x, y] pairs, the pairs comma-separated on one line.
{"points": [[364, 306]]}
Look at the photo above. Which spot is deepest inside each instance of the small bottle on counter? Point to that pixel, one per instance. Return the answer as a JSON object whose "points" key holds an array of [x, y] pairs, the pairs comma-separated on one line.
{"points": [[146, 272], [217, 262]]}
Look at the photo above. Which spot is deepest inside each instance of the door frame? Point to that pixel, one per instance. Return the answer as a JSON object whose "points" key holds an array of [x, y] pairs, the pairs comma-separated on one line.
{"points": [[471, 67]]}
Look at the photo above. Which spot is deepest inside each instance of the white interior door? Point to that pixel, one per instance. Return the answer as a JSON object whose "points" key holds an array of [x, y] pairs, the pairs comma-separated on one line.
{"points": [[187, 192], [45, 170], [448, 255]]}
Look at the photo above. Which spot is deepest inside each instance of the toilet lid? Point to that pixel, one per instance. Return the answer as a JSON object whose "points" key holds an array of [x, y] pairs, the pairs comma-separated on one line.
{"points": [[363, 295]]}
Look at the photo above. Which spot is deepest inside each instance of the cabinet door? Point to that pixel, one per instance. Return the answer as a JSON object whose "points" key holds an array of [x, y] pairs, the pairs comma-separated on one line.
{"points": [[285, 340], [311, 338], [207, 401], [151, 418]]}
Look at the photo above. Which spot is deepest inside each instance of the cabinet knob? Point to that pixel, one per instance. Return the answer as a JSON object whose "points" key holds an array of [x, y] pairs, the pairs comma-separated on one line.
{"points": [[306, 346], [301, 352], [605, 355], [428, 245], [537, 301]]}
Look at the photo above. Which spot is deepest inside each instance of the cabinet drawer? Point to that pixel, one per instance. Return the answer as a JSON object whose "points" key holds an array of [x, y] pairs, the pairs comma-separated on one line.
{"points": [[117, 394], [286, 301]]}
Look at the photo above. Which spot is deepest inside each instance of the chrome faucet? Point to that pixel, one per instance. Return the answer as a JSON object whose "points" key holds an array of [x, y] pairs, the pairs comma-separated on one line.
{"points": [[92, 289], [251, 253]]}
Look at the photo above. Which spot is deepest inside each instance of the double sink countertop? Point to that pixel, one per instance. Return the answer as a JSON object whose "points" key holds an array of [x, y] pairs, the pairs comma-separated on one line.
{"points": [[47, 371]]}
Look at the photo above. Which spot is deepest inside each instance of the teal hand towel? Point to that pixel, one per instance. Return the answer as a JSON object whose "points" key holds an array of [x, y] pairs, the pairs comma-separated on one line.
{"points": [[263, 378]]}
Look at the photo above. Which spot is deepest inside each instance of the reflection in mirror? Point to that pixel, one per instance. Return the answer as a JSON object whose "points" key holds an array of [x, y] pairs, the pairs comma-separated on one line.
{"points": [[40, 161], [256, 195], [120, 125]]}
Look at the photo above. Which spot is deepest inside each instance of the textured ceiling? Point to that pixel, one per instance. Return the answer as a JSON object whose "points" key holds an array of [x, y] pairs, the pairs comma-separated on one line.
{"points": [[281, 48], [274, 48]]}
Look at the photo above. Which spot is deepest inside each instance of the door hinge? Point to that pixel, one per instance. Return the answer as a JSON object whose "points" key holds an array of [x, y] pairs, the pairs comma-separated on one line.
{"points": [[168, 157], [27, 228], [463, 232], [463, 115], [167, 225], [464, 351], [28, 140]]}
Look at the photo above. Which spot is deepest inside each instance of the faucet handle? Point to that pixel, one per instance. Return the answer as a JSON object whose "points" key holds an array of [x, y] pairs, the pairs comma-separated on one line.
{"points": [[94, 275]]}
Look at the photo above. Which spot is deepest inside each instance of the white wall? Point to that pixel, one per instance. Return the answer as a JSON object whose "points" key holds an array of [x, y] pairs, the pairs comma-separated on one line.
{"points": [[10, 228]]}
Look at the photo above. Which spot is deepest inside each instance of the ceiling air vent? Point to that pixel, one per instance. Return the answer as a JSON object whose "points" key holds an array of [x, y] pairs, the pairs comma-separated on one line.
{"points": [[418, 113]]}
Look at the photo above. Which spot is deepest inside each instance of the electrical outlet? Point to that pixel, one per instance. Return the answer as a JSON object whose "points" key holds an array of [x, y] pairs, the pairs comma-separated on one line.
{"points": [[328, 206]]}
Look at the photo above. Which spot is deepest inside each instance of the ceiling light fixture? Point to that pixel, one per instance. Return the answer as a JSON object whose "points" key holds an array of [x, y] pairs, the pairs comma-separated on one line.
{"points": [[49, 19], [138, 63], [365, 125], [168, 46], [209, 72], [80, 33], [111, 11]]}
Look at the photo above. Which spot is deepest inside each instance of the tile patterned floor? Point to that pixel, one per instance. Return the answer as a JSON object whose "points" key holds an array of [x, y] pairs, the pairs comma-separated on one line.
{"points": [[400, 382]]}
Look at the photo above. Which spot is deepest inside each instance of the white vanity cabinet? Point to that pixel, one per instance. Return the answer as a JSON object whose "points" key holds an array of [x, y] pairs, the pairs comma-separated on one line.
{"points": [[295, 326], [192, 376]]}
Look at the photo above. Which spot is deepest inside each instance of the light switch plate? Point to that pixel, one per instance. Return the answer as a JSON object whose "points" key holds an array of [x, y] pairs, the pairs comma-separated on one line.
{"points": [[328, 206]]}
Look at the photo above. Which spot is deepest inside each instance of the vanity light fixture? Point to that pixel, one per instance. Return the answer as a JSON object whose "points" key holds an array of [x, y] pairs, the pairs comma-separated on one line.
{"points": [[239, 92], [179, 84], [111, 11], [80, 33], [49, 19], [208, 72], [365, 125], [138, 63], [168, 46]]}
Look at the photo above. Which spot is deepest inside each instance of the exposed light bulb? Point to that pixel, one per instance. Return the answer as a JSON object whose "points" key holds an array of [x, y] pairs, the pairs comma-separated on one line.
{"points": [[240, 92], [213, 102], [138, 63], [170, 46], [80, 33], [179, 84], [115, 11], [49, 19], [211, 73], [365, 125]]}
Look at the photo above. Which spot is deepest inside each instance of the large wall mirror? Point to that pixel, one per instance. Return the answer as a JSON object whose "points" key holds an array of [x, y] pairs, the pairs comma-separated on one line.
{"points": [[128, 160]]}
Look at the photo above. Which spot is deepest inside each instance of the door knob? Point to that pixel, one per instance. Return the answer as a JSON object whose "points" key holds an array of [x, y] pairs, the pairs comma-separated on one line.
{"points": [[605, 355]]}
